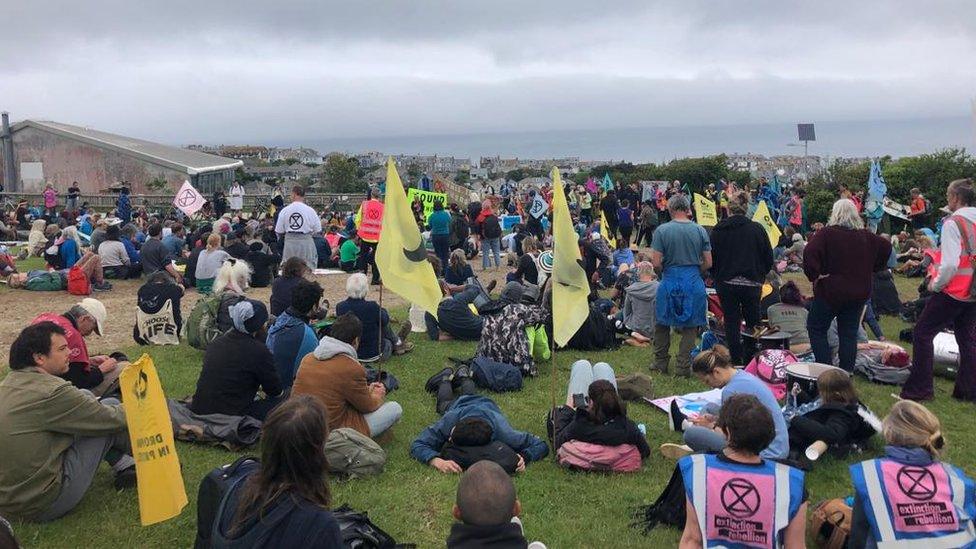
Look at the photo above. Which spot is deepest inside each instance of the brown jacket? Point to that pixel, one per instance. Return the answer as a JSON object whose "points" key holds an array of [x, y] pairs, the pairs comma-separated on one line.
{"points": [[332, 375]]}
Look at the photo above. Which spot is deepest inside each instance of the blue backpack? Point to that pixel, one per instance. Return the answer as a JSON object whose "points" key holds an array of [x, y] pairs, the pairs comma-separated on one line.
{"points": [[496, 376]]}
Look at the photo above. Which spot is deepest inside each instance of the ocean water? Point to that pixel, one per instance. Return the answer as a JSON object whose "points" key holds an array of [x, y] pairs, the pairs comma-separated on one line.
{"points": [[660, 144]]}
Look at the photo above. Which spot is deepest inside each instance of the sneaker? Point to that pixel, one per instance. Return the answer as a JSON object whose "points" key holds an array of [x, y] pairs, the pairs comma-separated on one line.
{"points": [[103, 287], [676, 417], [403, 348], [404, 331], [435, 380], [675, 451], [126, 478]]}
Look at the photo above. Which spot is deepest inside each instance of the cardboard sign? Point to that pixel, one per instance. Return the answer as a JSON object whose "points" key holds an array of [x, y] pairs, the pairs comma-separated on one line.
{"points": [[427, 198]]}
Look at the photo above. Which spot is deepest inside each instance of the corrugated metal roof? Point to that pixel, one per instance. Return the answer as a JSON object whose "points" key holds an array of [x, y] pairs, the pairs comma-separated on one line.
{"points": [[186, 160]]}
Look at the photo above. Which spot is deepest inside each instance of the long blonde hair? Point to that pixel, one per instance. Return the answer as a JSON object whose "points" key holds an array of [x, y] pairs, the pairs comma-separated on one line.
{"points": [[234, 275], [913, 425], [213, 242]]}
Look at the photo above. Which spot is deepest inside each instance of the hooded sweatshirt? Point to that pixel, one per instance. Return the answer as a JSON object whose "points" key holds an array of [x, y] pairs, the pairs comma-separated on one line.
{"points": [[332, 374], [740, 248], [639, 307], [290, 338]]}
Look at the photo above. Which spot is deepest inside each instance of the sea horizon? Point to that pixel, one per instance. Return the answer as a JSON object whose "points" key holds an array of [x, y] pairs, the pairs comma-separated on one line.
{"points": [[856, 138]]}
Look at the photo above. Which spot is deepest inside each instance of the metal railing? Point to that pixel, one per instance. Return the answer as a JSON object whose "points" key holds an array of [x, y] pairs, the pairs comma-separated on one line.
{"points": [[105, 202]]}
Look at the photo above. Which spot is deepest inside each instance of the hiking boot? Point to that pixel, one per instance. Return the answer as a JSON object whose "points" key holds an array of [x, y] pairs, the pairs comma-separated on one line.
{"points": [[435, 380], [675, 451], [461, 372], [676, 417], [404, 331], [491, 286], [403, 348], [126, 478], [103, 287]]}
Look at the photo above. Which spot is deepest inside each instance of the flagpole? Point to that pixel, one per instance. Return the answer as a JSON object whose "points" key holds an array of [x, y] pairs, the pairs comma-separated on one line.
{"points": [[379, 363]]}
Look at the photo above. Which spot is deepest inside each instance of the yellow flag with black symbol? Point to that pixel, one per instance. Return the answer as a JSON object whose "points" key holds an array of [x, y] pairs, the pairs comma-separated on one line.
{"points": [[764, 218], [162, 494], [570, 287], [401, 256], [605, 231], [705, 212]]}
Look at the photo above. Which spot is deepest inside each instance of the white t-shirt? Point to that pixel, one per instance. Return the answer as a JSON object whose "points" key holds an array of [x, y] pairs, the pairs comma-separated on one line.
{"points": [[298, 217]]}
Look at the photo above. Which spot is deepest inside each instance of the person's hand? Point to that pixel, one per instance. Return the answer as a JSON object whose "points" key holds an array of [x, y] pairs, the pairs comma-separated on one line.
{"points": [[704, 420], [107, 365], [377, 389], [521, 464], [445, 465]]}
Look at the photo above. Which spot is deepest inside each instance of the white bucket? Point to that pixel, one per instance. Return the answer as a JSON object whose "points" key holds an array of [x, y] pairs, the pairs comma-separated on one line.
{"points": [[417, 321]]}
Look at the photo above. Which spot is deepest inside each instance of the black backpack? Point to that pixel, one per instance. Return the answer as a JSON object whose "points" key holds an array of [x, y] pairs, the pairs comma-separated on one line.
{"points": [[358, 532], [213, 487], [669, 509], [491, 228]]}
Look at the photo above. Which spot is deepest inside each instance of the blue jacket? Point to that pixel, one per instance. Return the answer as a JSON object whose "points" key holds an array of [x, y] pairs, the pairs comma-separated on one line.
{"points": [[70, 254], [130, 249], [372, 317], [290, 338], [440, 222], [428, 444]]}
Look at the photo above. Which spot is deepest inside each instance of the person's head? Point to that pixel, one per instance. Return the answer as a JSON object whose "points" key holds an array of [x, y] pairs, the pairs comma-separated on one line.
{"points": [[645, 271], [486, 496], [353, 235], [835, 386], [292, 461], [924, 242], [249, 316], [160, 277], [747, 424], [915, 191], [298, 193], [42, 345], [347, 329], [306, 296], [605, 403], [471, 431], [512, 293], [155, 230], [177, 229], [234, 275], [458, 261], [790, 294], [38, 225], [89, 315], [213, 241], [113, 232], [357, 286], [623, 243], [714, 366], [438, 206], [71, 233], [530, 245], [739, 203], [679, 204], [912, 425], [960, 194], [844, 214], [294, 267]]}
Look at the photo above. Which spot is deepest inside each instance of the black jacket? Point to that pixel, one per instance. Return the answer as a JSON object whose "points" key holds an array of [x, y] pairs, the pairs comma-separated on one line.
{"points": [[234, 367], [502, 536], [580, 426], [740, 247], [495, 451], [832, 423], [263, 265]]}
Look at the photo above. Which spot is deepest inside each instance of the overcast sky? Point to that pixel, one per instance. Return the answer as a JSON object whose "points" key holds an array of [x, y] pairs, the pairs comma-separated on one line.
{"points": [[231, 71]]}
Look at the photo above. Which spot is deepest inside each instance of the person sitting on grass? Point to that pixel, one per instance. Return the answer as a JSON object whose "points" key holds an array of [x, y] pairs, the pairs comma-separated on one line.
{"points": [[458, 271], [487, 509], [264, 264], [208, 264], [375, 321], [457, 316], [159, 319], [53, 435], [426, 448], [350, 258], [736, 498], [702, 433], [291, 337], [333, 376], [637, 316], [231, 285], [115, 260], [285, 501], [293, 271], [236, 365], [97, 373]]}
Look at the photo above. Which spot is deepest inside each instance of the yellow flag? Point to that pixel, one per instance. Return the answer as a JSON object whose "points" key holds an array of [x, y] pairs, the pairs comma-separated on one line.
{"points": [[161, 492], [763, 217], [400, 255], [605, 231], [705, 211], [570, 287]]}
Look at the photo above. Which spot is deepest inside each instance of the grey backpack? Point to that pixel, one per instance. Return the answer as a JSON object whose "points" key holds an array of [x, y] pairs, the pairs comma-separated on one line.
{"points": [[878, 372], [352, 453]]}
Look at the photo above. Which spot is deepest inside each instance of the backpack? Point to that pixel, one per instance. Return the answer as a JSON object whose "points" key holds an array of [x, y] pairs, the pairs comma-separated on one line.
{"points": [[770, 366], [354, 454], [490, 227], [78, 283], [496, 376], [213, 488], [586, 456], [51, 281], [669, 509], [201, 326], [830, 523], [358, 532], [878, 372]]}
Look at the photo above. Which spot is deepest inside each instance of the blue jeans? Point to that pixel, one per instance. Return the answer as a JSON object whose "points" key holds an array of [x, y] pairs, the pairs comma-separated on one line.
{"points": [[493, 245], [703, 439], [872, 320], [383, 418], [848, 320], [442, 247], [584, 373]]}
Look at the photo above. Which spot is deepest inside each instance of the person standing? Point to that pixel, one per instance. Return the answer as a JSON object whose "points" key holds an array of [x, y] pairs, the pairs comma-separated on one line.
{"points": [[953, 301], [609, 207], [439, 222], [491, 238], [370, 227], [236, 197], [647, 222], [296, 224], [50, 201], [918, 211], [741, 257], [682, 251], [625, 220], [73, 194], [840, 260], [123, 206]]}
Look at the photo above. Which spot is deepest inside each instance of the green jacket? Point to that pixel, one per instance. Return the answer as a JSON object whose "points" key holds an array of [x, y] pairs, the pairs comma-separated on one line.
{"points": [[40, 416]]}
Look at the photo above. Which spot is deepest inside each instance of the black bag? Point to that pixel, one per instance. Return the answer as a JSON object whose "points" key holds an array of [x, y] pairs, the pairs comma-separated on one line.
{"points": [[213, 488], [490, 227], [496, 376], [496, 452], [669, 508], [358, 532], [386, 378]]}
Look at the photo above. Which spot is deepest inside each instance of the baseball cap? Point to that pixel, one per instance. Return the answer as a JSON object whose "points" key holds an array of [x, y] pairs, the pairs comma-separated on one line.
{"points": [[96, 309]]}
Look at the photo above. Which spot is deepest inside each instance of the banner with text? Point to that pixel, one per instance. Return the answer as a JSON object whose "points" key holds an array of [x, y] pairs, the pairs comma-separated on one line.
{"points": [[705, 211], [427, 198]]}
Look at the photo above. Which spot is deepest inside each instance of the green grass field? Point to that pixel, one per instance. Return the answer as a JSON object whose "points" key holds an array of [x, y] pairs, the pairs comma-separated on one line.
{"points": [[413, 501]]}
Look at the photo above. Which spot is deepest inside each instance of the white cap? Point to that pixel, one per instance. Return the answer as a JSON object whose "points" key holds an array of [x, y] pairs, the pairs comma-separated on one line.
{"points": [[96, 309]]}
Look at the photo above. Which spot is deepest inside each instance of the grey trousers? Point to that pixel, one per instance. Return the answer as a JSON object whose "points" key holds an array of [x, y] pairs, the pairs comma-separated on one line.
{"points": [[300, 245], [662, 348]]}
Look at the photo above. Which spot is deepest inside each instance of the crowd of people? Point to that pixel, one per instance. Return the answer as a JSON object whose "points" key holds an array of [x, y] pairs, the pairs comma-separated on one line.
{"points": [[304, 371]]}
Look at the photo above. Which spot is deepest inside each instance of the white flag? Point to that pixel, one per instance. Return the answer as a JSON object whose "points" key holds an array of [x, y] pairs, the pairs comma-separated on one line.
{"points": [[188, 200], [539, 206]]}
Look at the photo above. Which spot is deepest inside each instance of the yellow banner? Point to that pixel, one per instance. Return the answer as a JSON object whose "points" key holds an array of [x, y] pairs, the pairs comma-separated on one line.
{"points": [[605, 231], [427, 198], [705, 211], [763, 217], [570, 287], [161, 492]]}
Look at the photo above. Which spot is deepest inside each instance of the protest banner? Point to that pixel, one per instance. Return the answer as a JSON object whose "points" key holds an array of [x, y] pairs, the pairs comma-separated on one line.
{"points": [[764, 218], [188, 199], [705, 211], [427, 198], [539, 206]]}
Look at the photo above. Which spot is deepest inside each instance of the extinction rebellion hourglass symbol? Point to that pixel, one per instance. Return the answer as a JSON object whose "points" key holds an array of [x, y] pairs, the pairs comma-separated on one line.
{"points": [[740, 498], [295, 221]]}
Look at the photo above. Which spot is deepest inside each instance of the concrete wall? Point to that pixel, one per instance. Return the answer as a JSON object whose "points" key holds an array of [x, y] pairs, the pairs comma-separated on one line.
{"points": [[94, 168]]}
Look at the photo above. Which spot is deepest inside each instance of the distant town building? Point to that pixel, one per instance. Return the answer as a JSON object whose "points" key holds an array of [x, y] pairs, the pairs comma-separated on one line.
{"points": [[52, 152], [303, 155]]}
